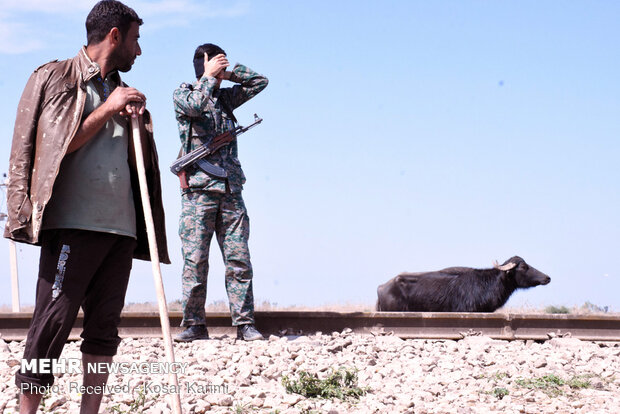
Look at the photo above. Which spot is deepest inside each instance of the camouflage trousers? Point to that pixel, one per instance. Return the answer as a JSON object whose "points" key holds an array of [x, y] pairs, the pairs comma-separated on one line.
{"points": [[204, 213]]}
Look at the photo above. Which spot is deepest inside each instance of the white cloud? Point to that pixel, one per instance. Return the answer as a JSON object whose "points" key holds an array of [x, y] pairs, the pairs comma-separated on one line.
{"points": [[187, 8], [14, 38], [47, 6], [178, 13], [20, 34]]}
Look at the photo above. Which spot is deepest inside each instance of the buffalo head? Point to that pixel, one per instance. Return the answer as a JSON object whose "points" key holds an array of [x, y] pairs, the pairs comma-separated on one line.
{"points": [[524, 275]]}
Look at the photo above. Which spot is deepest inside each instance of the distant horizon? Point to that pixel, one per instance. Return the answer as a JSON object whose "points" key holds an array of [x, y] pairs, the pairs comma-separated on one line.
{"points": [[261, 306], [397, 136]]}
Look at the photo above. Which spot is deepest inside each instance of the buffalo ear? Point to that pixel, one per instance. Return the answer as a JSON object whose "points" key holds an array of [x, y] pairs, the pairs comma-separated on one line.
{"points": [[504, 268]]}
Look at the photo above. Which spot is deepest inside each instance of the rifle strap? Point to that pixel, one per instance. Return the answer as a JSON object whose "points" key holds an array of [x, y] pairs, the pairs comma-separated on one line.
{"points": [[188, 145], [227, 109]]}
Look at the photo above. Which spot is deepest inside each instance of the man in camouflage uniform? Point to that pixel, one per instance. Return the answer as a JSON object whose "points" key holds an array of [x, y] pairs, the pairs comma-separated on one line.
{"points": [[212, 204]]}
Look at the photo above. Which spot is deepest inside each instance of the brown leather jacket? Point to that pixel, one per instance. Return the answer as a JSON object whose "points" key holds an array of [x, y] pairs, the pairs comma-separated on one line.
{"points": [[48, 117]]}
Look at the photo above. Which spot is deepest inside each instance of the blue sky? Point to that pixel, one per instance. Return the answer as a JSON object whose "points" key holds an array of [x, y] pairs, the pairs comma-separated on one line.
{"points": [[397, 136]]}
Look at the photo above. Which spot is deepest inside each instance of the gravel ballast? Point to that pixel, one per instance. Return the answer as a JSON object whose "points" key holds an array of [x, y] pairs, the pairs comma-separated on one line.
{"points": [[473, 375]]}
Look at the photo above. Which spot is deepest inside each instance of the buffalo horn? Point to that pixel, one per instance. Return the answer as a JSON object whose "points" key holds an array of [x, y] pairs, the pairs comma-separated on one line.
{"points": [[505, 267]]}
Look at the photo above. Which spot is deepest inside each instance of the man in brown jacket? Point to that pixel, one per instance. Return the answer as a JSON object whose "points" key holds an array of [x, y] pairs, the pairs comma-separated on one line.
{"points": [[73, 190]]}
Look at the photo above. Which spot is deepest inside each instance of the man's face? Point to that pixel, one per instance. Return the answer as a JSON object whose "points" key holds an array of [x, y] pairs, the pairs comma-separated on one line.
{"points": [[125, 54]]}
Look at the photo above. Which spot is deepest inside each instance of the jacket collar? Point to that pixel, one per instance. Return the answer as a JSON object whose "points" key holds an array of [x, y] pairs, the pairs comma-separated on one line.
{"points": [[88, 68], [91, 69]]}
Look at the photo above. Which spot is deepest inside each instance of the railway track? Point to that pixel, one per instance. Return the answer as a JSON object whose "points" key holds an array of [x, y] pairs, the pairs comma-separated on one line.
{"points": [[14, 326]]}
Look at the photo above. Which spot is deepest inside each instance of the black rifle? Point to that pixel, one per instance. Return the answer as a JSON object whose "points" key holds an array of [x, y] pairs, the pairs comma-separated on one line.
{"points": [[197, 156]]}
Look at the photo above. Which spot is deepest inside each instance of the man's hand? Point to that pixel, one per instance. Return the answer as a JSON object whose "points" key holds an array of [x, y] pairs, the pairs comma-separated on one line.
{"points": [[216, 65], [126, 102]]}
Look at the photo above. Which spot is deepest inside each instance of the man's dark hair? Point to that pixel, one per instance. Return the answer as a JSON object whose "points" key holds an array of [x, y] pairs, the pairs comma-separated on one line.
{"points": [[106, 15], [199, 56]]}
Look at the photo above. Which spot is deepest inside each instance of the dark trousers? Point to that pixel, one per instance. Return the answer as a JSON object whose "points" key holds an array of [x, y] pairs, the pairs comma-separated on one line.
{"points": [[77, 268]]}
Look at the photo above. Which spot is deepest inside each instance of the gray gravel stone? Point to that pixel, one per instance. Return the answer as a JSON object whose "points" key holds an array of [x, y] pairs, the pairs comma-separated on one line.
{"points": [[404, 376]]}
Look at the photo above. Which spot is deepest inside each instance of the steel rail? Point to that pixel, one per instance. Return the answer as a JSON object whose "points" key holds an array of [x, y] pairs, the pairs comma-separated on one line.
{"points": [[505, 326]]}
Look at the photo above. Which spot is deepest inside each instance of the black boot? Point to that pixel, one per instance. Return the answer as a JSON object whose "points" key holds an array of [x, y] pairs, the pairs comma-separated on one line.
{"points": [[248, 333], [193, 333]]}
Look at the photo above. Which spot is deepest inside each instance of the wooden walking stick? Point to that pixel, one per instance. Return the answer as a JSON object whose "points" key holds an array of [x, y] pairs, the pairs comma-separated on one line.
{"points": [[14, 277], [12, 261], [159, 284]]}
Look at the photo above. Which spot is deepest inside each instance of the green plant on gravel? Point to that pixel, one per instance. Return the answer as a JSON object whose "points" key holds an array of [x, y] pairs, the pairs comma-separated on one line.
{"points": [[240, 408], [497, 382], [309, 410], [498, 376], [500, 392], [136, 406], [580, 381], [551, 384], [340, 383]]}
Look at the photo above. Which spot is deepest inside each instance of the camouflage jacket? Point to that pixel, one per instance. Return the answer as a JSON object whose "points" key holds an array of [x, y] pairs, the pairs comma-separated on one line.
{"points": [[207, 111]]}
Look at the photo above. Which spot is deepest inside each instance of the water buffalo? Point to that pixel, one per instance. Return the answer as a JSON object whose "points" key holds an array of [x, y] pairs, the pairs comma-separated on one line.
{"points": [[458, 289]]}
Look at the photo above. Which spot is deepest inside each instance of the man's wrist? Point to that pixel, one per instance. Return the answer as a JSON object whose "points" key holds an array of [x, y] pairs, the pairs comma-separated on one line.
{"points": [[106, 110], [234, 78], [207, 78]]}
